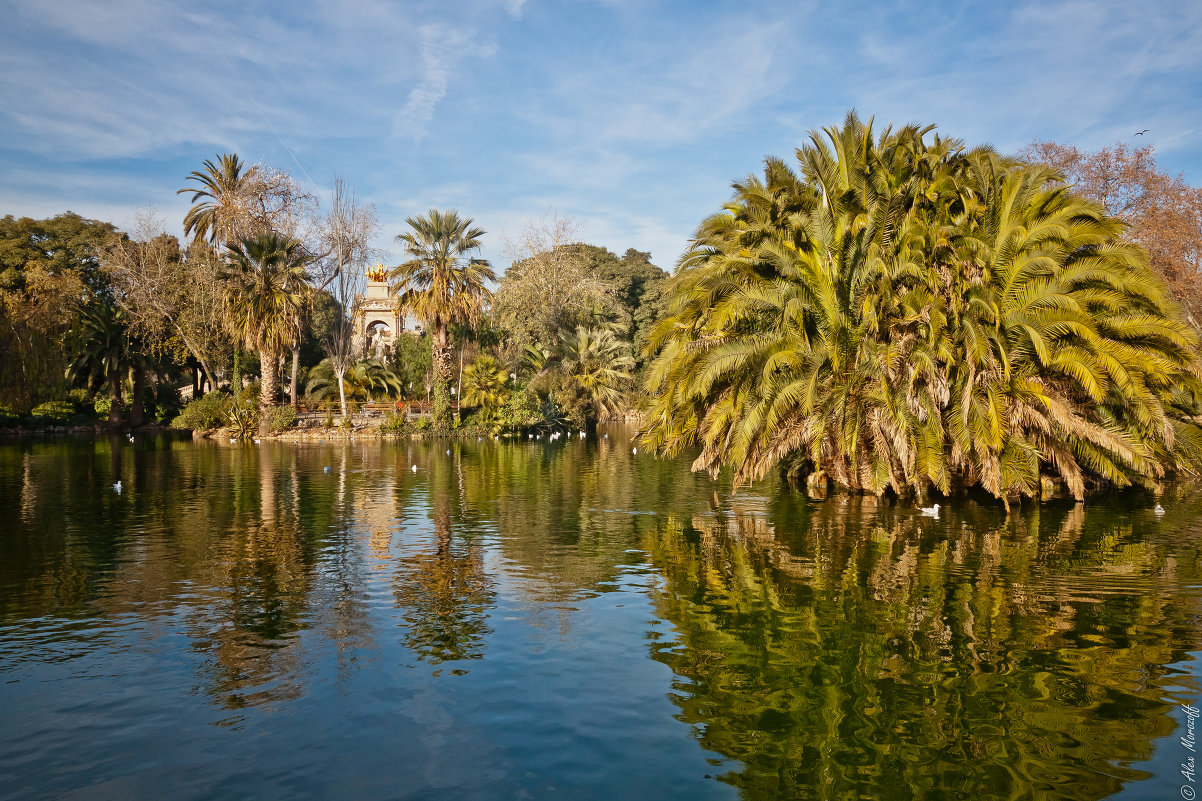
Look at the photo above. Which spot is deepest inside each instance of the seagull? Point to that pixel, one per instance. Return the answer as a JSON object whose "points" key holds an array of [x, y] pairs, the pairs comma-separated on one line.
{"points": [[326, 469], [1159, 510], [635, 451], [930, 511], [257, 440], [607, 436], [448, 453], [415, 468], [232, 440], [1144, 131], [117, 486]]}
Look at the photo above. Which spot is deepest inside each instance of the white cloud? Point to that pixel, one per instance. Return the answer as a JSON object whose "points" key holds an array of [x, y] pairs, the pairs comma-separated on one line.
{"points": [[442, 48]]}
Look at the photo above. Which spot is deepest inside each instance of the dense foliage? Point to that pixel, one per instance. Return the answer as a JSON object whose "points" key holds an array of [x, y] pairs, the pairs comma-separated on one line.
{"points": [[902, 314]]}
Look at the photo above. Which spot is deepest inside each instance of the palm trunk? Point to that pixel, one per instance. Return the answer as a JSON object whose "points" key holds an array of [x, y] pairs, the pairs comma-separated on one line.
{"points": [[115, 399], [268, 387], [136, 412], [236, 379], [441, 411], [295, 370]]}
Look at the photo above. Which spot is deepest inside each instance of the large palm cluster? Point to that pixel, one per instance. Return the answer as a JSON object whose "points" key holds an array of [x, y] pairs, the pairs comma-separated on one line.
{"points": [[901, 314]]}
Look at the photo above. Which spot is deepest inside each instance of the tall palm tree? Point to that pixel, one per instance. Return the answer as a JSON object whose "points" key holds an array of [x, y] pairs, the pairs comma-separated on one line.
{"points": [[442, 285], [905, 314], [265, 284], [219, 199]]}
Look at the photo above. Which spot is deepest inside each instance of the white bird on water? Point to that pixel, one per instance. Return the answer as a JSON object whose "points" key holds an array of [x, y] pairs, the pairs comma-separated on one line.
{"points": [[635, 451], [448, 453], [930, 511], [415, 468], [327, 469], [1159, 510], [117, 486]]}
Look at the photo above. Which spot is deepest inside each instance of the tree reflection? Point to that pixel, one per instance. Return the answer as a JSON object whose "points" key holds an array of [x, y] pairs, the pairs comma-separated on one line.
{"points": [[443, 589], [854, 650]]}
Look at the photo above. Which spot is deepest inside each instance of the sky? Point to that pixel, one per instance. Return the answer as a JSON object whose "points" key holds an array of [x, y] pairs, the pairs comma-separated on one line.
{"points": [[631, 118]]}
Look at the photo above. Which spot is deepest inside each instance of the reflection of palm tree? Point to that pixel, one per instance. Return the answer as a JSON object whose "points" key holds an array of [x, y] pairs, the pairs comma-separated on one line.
{"points": [[863, 641], [446, 593]]}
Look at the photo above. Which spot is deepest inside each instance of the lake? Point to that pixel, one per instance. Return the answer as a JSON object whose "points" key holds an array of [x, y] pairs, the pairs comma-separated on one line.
{"points": [[522, 620]]}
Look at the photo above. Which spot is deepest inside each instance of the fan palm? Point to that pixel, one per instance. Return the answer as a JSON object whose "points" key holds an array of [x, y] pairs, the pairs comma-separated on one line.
{"points": [[441, 285], [219, 200], [904, 314], [265, 285]]}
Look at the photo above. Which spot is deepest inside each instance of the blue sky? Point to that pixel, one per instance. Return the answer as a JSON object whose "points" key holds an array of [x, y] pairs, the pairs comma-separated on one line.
{"points": [[631, 117]]}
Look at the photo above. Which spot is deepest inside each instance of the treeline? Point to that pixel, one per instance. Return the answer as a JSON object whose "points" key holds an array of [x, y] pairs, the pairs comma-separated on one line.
{"points": [[256, 309]]}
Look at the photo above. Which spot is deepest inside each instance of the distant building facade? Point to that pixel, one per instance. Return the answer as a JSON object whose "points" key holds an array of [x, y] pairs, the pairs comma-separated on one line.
{"points": [[376, 322]]}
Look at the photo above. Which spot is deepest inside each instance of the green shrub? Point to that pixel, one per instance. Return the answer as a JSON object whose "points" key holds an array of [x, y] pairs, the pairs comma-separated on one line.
{"points": [[162, 402], [56, 413], [102, 406], [280, 418], [204, 413], [81, 398], [424, 423], [395, 424], [522, 411], [9, 417]]}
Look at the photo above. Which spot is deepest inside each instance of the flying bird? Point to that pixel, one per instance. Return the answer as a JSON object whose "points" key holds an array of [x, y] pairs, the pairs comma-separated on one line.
{"points": [[1144, 131]]}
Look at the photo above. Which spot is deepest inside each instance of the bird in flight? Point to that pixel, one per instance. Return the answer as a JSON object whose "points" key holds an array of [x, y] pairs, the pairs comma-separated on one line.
{"points": [[1144, 131]]}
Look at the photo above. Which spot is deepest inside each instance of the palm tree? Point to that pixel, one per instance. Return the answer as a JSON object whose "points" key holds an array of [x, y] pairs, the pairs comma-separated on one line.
{"points": [[441, 285], [598, 365], [265, 285], [905, 314], [361, 380], [102, 342], [220, 199], [485, 386]]}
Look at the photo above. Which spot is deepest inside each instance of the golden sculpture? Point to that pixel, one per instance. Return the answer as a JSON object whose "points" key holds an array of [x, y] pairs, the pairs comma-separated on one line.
{"points": [[377, 274]]}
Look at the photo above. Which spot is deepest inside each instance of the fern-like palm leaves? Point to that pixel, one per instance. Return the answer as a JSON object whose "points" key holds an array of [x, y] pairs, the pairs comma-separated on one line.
{"points": [[904, 314]]}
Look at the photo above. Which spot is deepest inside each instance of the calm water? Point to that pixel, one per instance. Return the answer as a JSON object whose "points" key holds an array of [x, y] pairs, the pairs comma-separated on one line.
{"points": [[525, 620]]}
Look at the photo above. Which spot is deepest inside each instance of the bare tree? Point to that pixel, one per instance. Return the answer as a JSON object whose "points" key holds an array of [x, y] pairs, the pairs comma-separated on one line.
{"points": [[1163, 212], [548, 285], [344, 238], [166, 293]]}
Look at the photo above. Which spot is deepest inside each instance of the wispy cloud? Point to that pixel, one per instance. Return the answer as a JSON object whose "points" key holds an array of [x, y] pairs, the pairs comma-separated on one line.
{"points": [[442, 48]]}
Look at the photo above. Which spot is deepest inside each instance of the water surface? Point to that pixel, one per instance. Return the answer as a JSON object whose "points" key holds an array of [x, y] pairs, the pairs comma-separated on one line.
{"points": [[571, 620]]}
